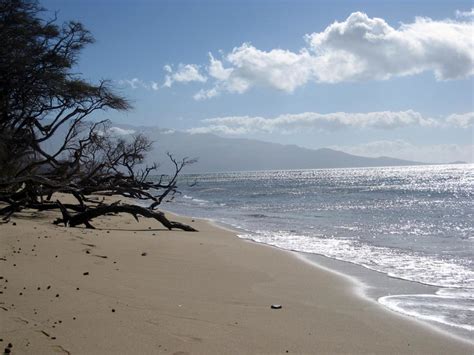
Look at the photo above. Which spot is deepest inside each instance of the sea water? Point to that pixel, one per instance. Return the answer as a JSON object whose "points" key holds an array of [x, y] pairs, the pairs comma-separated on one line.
{"points": [[408, 223]]}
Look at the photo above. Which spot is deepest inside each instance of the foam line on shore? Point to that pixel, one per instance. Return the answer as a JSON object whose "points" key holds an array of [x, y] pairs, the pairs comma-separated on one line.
{"points": [[357, 286]]}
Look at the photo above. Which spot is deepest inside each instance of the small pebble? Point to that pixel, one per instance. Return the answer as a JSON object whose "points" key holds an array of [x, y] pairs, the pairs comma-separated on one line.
{"points": [[85, 273], [14, 223], [57, 295], [144, 254], [113, 310]]}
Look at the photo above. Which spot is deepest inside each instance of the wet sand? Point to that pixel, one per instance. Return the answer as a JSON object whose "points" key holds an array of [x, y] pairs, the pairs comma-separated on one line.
{"points": [[136, 288]]}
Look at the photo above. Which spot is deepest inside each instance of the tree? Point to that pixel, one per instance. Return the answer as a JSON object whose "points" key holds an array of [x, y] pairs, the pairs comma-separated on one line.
{"points": [[42, 98]]}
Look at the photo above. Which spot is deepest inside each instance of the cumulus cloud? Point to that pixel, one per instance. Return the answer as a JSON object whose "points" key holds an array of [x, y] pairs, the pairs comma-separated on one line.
{"points": [[206, 94], [379, 51], [435, 153], [463, 120], [117, 131], [358, 48], [184, 74], [312, 120], [460, 13], [136, 83]]}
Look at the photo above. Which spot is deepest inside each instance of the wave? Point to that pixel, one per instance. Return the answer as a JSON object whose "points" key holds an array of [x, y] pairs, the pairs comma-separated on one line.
{"points": [[197, 200], [395, 263], [452, 311]]}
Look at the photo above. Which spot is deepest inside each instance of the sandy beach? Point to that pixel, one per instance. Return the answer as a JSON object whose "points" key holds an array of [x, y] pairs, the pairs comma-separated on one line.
{"points": [[136, 288]]}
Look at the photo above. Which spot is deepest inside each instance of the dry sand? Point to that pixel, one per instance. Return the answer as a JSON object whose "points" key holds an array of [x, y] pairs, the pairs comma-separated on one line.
{"points": [[148, 291]]}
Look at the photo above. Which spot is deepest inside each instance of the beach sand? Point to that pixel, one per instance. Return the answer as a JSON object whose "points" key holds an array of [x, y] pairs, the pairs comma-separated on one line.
{"points": [[136, 288]]}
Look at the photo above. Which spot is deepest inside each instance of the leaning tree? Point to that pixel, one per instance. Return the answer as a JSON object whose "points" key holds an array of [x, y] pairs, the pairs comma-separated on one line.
{"points": [[48, 142]]}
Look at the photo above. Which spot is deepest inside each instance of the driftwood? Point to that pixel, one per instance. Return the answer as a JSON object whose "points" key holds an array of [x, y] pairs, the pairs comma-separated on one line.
{"points": [[86, 216]]}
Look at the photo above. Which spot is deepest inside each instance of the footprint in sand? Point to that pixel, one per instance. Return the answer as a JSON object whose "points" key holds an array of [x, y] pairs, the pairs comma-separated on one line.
{"points": [[60, 349], [101, 256]]}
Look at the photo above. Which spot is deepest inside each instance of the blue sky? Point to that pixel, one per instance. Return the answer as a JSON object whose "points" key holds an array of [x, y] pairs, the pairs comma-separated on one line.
{"points": [[281, 71]]}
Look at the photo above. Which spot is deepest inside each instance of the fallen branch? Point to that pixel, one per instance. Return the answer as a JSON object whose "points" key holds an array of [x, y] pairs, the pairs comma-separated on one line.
{"points": [[86, 216]]}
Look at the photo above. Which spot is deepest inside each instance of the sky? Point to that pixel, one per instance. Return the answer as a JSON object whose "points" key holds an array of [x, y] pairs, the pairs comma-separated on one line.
{"points": [[372, 78]]}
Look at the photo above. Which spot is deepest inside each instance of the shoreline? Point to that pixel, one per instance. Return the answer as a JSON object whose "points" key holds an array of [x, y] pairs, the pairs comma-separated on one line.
{"points": [[374, 285], [348, 271], [207, 292]]}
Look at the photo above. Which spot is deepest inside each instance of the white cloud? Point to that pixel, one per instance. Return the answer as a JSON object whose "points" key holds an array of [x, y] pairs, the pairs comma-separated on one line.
{"points": [[217, 70], [359, 48], [205, 94], [463, 120], [460, 13], [184, 74], [136, 83], [313, 120], [168, 131], [379, 51], [435, 153], [120, 131]]}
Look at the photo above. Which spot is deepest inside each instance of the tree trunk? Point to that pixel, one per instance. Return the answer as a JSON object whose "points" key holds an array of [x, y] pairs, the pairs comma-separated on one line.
{"points": [[91, 213]]}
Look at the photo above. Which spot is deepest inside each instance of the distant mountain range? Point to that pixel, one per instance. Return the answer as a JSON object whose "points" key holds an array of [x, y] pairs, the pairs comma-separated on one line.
{"points": [[218, 154]]}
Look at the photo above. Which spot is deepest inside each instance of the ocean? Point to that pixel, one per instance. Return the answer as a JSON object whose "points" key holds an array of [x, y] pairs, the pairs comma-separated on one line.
{"points": [[406, 233]]}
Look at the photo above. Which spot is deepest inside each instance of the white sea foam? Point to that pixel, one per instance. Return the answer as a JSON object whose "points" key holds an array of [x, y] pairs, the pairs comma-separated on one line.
{"points": [[404, 265], [196, 200], [451, 311]]}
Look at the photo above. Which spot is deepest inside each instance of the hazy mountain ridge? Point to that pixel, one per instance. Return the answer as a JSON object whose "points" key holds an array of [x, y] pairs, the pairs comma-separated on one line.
{"points": [[217, 154]]}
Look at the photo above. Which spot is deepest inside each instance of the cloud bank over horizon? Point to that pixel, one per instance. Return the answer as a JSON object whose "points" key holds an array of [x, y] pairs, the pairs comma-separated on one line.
{"points": [[290, 123], [397, 148], [401, 149]]}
